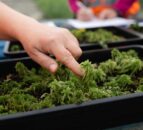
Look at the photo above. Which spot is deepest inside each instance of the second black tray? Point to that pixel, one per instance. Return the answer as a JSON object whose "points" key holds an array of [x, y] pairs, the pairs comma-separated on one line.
{"points": [[131, 38], [13, 54]]}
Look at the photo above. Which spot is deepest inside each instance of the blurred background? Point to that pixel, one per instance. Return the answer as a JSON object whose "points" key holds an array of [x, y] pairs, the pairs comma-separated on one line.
{"points": [[41, 9], [46, 9]]}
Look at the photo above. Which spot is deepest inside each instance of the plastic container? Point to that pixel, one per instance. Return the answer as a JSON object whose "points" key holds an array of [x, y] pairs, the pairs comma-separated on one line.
{"points": [[136, 29], [131, 38], [96, 114], [13, 54]]}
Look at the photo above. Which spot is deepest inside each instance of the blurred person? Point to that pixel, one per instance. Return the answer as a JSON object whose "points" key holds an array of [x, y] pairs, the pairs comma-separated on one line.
{"points": [[86, 10]]}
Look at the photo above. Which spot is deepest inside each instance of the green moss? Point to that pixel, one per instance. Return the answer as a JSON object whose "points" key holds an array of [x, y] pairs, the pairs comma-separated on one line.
{"points": [[100, 36], [136, 27], [31, 89], [15, 48]]}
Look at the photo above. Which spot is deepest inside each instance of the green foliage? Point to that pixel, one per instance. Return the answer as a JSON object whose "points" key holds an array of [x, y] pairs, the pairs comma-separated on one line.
{"points": [[31, 89], [79, 34], [15, 48], [119, 83], [7, 86], [108, 66], [54, 8], [136, 27], [127, 62], [95, 36], [140, 86]]}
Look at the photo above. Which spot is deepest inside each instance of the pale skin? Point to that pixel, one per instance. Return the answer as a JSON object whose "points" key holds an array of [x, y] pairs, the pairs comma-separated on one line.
{"points": [[108, 14], [86, 14], [39, 40]]}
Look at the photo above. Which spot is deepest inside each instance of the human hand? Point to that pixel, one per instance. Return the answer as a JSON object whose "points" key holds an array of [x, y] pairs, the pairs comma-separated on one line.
{"points": [[107, 14], [85, 14], [40, 40]]}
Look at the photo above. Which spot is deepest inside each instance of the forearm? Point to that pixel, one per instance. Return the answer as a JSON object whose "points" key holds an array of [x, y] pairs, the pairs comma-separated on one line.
{"points": [[12, 22]]}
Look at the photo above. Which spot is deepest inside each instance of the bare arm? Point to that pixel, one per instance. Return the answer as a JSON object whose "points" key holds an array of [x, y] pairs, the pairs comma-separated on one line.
{"points": [[40, 40]]}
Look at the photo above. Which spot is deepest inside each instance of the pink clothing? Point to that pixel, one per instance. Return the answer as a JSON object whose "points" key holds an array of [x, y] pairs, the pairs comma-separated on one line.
{"points": [[121, 6], [73, 5]]}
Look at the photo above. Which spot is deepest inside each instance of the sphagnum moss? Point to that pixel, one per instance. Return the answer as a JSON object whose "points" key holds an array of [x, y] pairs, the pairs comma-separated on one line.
{"points": [[37, 88], [100, 36]]}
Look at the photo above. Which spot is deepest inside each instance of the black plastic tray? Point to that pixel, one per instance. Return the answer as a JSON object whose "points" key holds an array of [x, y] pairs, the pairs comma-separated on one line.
{"points": [[135, 31], [11, 54], [97, 114], [131, 38]]}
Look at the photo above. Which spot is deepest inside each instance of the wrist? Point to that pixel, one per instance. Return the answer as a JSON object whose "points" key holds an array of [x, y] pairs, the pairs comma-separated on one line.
{"points": [[24, 27]]}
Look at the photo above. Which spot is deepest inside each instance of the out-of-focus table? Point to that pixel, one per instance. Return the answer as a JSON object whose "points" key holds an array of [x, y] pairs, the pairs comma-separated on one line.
{"points": [[70, 23]]}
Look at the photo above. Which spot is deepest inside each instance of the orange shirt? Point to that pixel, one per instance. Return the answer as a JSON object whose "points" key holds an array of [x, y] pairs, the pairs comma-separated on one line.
{"points": [[132, 10]]}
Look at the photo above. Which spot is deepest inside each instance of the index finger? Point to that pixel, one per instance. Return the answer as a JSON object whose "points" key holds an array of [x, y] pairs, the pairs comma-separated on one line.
{"points": [[64, 56]]}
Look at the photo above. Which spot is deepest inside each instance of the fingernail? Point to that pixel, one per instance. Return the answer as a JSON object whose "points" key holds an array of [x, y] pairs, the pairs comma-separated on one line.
{"points": [[53, 67]]}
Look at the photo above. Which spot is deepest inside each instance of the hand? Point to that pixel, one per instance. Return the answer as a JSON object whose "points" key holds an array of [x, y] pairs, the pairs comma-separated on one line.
{"points": [[108, 14], [85, 14], [40, 40]]}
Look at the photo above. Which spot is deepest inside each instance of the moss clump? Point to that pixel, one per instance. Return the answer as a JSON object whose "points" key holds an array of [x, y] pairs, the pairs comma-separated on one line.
{"points": [[31, 89], [136, 27], [101, 36], [15, 48]]}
